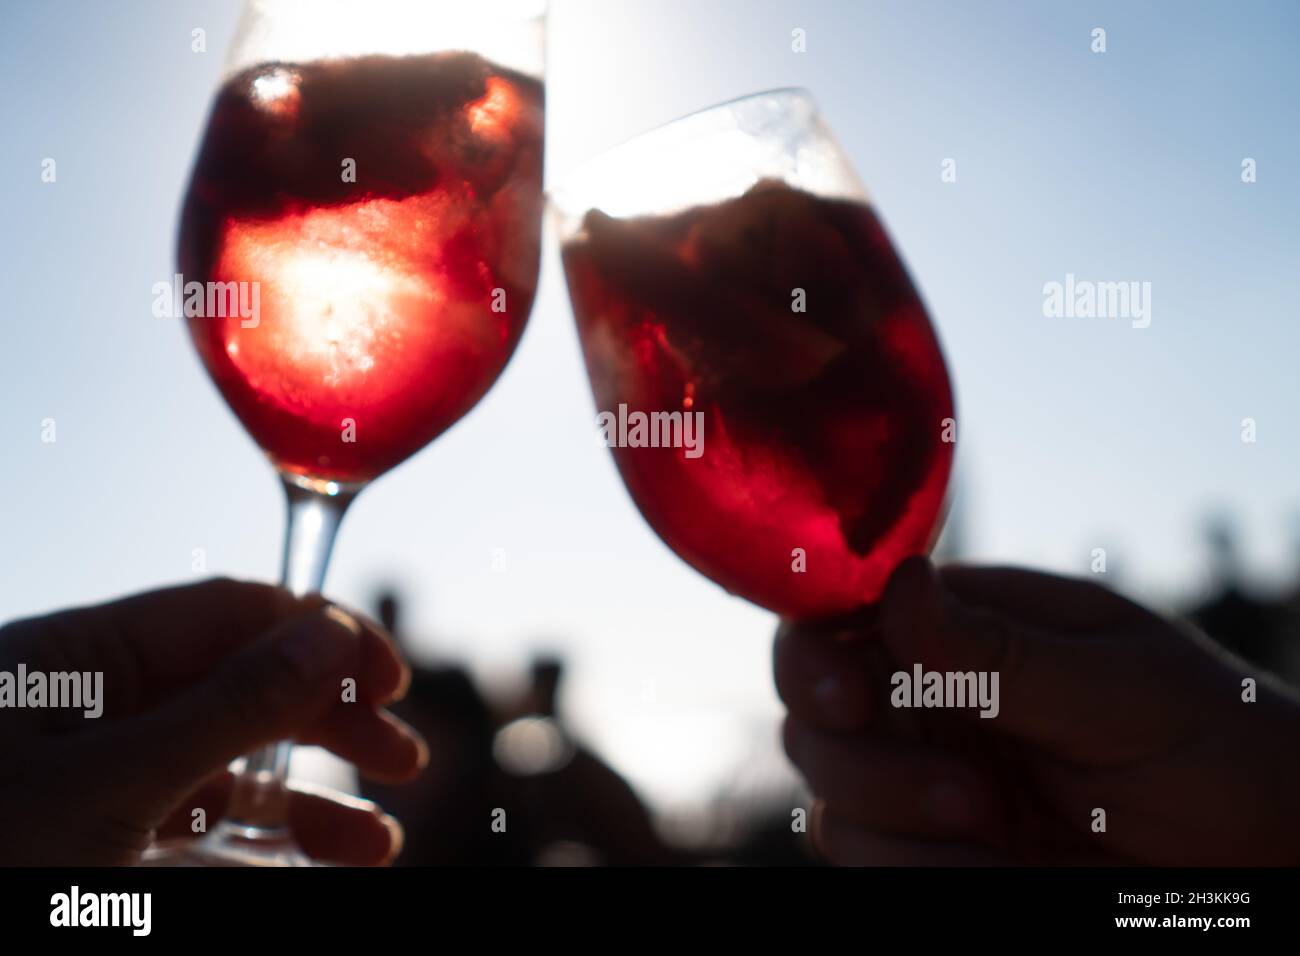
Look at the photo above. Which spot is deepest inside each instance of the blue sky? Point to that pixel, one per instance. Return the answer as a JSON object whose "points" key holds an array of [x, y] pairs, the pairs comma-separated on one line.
{"points": [[1074, 433]]}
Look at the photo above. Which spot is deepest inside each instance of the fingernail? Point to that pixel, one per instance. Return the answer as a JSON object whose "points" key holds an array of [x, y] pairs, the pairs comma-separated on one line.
{"points": [[403, 684], [321, 642], [948, 804], [412, 735], [366, 622], [372, 627], [396, 836]]}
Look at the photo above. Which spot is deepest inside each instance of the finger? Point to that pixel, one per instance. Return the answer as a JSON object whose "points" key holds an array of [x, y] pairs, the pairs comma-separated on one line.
{"points": [[170, 659], [271, 691], [1041, 686], [385, 676], [178, 634], [1061, 605], [844, 843], [152, 644], [381, 745], [165, 635], [329, 826], [341, 829], [823, 676], [892, 786]]}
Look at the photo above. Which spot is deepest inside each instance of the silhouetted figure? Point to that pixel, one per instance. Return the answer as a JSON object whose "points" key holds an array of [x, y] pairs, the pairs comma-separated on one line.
{"points": [[446, 812], [577, 809], [1246, 624], [511, 787]]}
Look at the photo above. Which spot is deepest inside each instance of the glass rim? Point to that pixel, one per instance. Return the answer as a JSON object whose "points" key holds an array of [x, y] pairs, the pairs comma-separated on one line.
{"points": [[555, 195], [267, 32], [785, 92]]}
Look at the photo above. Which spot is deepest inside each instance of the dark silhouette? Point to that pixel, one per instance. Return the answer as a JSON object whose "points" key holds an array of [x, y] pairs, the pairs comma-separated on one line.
{"points": [[1261, 630], [510, 784], [445, 811]]}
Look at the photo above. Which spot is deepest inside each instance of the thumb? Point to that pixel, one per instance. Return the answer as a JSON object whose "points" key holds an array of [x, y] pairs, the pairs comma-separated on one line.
{"points": [[1037, 686], [272, 690]]}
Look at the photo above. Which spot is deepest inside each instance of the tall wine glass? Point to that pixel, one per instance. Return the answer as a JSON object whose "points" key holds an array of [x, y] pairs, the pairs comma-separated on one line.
{"points": [[371, 178], [733, 285]]}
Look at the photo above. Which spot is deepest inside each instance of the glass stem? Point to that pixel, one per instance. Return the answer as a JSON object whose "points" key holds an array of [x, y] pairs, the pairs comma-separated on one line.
{"points": [[259, 800]]}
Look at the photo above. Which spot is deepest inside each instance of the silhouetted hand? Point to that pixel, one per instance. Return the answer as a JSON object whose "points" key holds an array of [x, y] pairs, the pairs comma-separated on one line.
{"points": [[1103, 706], [192, 678]]}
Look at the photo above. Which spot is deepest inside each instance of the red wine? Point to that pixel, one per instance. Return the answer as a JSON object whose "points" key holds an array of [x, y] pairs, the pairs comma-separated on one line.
{"points": [[824, 429], [389, 209]]}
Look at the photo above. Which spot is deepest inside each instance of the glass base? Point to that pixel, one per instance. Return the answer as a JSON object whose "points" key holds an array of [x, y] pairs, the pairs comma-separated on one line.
{"points": [[231, 845]]}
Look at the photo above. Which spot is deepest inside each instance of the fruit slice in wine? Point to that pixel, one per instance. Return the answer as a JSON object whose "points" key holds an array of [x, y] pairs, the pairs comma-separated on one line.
{"points": [[388, 211], [789, 324]]}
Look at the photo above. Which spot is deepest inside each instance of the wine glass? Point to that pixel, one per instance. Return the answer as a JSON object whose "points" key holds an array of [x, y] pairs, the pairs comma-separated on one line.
{"points": [[733, 286], [369, 191]]}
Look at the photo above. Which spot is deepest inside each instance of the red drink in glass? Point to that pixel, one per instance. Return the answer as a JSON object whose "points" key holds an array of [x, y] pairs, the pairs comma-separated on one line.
{"points": [[827, 431], [391, 294]]}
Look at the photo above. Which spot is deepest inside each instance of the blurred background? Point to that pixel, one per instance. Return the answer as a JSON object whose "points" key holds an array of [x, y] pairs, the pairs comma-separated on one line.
{"points": [[567, 651]]}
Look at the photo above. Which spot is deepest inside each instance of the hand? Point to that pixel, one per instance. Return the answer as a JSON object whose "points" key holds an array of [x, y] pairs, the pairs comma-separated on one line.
{"points": [[1103, 705], [192, 678]]}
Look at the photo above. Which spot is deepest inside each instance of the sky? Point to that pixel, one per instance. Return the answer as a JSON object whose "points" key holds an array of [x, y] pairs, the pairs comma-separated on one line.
{"points": [[1073, 433]]}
